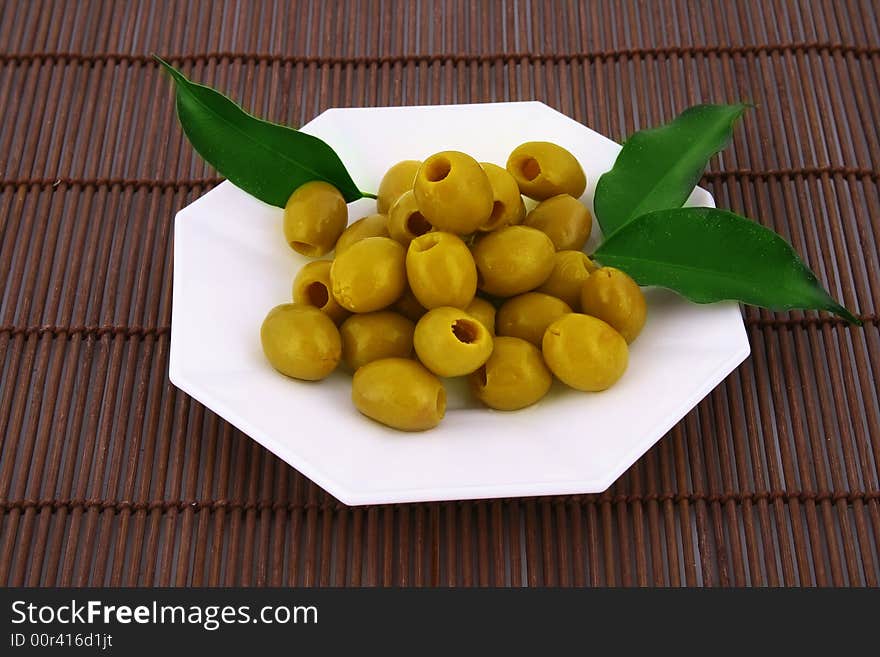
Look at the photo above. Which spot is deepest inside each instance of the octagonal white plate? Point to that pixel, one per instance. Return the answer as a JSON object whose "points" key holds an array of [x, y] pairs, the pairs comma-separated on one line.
{"points": [[231, 265]]}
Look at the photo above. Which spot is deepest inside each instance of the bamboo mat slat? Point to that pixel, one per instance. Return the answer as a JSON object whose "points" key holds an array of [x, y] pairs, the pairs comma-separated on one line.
{"points": [[110, 475]]}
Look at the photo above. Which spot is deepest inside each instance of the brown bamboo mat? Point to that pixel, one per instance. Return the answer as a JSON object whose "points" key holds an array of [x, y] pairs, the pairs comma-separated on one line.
{"points": [[109, 475]]}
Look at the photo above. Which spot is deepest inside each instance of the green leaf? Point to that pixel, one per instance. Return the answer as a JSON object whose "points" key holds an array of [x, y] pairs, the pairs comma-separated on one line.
{"points": [[710, 255], [659, 168], [264, 159]]}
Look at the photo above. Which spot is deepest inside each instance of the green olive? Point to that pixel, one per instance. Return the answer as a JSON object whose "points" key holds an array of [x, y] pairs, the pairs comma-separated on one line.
{"points": [[515, 376], [408, 306], [453, 192], [566, 221], [528, 315], [374, 225], [369, 275], [450, 342], [542, 170], [301, 341], [584, 352], [484, 312], [371, 336], [570, 270], [399, 393], [508, 208], [314, 218], [441, 271], [405, 222], [397, 180], [513, 260], [617, 299], [312, 287]]}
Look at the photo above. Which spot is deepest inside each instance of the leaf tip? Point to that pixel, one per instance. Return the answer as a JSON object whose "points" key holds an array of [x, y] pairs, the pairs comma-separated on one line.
{"points": [[843, 312], [160, 60], [741, 108], [176, 75], [852, 319]]}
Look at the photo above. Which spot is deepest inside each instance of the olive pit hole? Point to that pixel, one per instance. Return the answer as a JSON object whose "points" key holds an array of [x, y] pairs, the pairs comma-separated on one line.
{"points": [[417, 225], [497, 211], [317, 294], [304, 247], [437, 169], [530, 168], [482, 377], [465, 331]]}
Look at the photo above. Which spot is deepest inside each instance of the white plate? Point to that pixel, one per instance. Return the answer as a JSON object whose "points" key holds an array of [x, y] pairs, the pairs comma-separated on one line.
{"points": [[231, 265]]}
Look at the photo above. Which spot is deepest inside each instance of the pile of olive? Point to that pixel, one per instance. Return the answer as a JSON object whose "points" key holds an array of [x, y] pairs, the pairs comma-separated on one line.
{"points": [[452, 277]]}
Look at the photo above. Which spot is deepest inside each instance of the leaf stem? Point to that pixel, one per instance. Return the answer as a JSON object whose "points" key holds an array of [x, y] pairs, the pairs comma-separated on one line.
{"points": [[368, 195]]}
